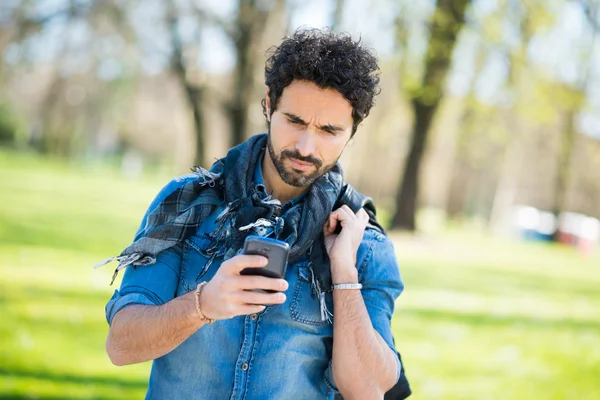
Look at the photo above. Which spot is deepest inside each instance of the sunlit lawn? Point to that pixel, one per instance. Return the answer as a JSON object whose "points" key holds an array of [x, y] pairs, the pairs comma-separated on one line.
{"points": [[481, 318]]}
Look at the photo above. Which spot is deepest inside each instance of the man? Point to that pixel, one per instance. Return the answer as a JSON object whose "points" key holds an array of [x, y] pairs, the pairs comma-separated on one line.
{"points": [[319, 333]]}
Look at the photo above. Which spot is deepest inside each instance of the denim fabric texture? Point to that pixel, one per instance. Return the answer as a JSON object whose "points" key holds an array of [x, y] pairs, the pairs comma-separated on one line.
{"points": [[283, 352]]}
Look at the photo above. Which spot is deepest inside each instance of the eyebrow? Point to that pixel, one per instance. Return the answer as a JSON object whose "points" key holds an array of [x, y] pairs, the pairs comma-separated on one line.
{"points": [[328, 127]]}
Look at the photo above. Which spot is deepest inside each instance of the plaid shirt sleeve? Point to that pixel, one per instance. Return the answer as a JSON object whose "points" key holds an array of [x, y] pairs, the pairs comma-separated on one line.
{"points": [[155, 284]]}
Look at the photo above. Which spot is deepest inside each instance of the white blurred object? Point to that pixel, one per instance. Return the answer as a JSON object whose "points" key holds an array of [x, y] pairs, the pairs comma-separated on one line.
{"points": [[589, 229], [527, 217], [546, 223], [529, 220]]}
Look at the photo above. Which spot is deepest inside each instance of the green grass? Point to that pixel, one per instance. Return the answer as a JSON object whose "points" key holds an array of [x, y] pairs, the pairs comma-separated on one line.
{"points": [[480, 318], [483, 318]]}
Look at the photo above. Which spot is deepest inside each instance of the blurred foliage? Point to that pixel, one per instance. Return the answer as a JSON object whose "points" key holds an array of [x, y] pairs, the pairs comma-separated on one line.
{"points": [[9, 125]]}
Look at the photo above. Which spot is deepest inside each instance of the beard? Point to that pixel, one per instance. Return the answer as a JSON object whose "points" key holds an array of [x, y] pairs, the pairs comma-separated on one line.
{"points": [[292, 176]]}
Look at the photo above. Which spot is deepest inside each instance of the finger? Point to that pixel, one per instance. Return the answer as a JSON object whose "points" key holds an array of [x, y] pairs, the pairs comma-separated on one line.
{"points": [[245, 309], [261, 282], [347, 208], [346, 213], [327, 229], [326, 226], [235, 264], [332, 222], [362, 215], [248, 297], [339, 216]]}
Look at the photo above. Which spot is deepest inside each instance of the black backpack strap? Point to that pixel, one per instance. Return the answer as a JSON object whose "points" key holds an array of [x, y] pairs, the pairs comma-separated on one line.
{"points": [[356, 200], [401, 390]]}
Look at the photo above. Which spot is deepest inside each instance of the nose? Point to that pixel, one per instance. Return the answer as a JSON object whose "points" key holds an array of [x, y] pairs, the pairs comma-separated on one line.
{"points": [[306, 145]]}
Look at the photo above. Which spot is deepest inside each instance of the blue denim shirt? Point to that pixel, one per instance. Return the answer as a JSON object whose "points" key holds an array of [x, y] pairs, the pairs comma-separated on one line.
{"points": [[282, 352]]}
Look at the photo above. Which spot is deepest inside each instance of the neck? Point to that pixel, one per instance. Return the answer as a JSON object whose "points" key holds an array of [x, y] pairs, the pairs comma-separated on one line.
{"points": [[275, 185]]}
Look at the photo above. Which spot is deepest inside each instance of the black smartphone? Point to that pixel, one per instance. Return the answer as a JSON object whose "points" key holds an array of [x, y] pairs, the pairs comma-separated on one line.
{"points": [[276, 251]]}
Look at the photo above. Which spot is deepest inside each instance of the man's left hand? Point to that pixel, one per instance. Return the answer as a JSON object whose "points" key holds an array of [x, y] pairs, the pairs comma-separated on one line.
{"points": [[342, 247]]}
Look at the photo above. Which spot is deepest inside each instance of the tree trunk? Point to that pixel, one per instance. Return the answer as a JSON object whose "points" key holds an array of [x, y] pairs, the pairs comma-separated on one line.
{"points": [[251, 22], [563, 167], [447, 20], [569, 136], [193, 93], [194, 96], [338, 13], [238, 111], [516, 144], [507, 186], [407, 196]]}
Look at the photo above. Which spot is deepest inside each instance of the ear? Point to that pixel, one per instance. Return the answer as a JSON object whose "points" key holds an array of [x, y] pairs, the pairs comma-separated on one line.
{"points": [[268, 105]]}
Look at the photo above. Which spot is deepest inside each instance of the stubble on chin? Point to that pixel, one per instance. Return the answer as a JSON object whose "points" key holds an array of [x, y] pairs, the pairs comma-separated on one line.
{"points": [[294, 177]]}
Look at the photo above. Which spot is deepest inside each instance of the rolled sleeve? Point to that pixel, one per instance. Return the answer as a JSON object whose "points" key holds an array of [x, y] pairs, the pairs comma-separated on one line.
{"points": [[120, 301], [380, 276], [154, 284]]}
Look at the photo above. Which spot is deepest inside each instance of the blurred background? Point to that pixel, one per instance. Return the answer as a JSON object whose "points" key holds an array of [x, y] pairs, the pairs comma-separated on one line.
{"points": [[482, 154]]}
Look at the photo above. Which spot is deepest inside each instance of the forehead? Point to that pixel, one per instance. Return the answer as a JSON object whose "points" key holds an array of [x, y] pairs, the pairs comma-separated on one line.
{"points": [[309, 102]]}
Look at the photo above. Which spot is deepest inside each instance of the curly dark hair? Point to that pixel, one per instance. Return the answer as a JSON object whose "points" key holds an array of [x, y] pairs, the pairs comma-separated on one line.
{"points": [[331, 61]]}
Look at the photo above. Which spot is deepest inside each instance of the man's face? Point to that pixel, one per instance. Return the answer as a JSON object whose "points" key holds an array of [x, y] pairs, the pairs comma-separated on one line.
{"points": [[308, 132]]}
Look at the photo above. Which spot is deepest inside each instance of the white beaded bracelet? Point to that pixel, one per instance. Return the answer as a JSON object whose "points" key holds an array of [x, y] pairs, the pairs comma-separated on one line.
{"points": [[345, 286]]}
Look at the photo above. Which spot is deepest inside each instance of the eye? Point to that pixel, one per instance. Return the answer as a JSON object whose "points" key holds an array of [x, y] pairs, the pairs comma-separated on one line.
{"points": [[330, 132]]}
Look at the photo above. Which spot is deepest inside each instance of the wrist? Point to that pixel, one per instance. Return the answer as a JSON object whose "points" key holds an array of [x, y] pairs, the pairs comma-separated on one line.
{"points": [[191, 314], [343, 271], [342, 263], [200, 305]]}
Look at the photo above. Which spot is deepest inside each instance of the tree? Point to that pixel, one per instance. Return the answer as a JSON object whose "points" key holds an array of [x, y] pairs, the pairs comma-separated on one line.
{"points": [[447, 20], [247, 33], [573, 97], [338, 12], [194, 91], [514, 149], [63, 118]]}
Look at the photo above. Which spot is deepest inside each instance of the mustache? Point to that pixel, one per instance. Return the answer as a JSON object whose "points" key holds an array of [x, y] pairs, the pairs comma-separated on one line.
{"points": [[307, 159]]}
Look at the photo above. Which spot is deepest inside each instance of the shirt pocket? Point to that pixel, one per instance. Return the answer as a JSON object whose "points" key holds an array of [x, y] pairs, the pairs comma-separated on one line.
{"points": [[305, 306], [196, 265]]}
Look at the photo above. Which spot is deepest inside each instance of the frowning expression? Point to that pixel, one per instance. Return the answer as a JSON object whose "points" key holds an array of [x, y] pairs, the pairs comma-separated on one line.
{"points": [[308, 132]]}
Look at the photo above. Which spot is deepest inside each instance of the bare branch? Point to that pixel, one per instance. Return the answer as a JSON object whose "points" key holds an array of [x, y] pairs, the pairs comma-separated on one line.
{"points": [[204, 15], [591, 13]]}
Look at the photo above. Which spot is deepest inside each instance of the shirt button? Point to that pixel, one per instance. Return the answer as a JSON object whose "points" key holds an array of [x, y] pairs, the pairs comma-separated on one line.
{"points": [[254, 316], [245, 366]]}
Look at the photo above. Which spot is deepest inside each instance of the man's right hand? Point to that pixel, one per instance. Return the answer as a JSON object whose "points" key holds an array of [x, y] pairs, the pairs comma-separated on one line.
{"points": [[228, 294]]}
